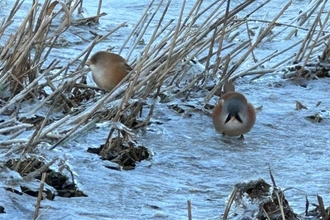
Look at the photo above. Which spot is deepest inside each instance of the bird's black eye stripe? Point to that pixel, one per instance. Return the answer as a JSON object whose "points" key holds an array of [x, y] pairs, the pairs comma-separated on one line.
{"points": [[228, 118], [238, 118]]}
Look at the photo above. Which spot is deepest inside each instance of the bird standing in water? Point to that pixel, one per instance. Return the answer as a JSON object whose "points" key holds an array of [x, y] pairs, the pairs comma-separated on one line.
{"points": [[108, 69], [233, 115]]}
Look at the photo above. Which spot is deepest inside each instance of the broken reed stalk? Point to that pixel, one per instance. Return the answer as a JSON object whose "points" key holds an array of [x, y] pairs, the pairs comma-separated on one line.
{"points": [[15, 127], [189, 209], [168, 38], [39, 198], [322, 210], [99, 11], [229, 204], [280, 203], [266, 214]]}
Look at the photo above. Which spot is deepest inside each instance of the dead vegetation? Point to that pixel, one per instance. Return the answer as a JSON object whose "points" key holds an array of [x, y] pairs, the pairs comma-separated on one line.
{"points": [[257, 199], [45, 101], [29, 74]]}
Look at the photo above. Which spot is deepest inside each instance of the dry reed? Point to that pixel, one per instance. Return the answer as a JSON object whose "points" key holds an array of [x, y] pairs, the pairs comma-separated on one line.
{"points": [[163, 64]]}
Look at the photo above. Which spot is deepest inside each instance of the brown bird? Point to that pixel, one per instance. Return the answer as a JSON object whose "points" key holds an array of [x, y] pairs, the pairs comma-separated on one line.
{"points": [[233, 115], [108, 69]]}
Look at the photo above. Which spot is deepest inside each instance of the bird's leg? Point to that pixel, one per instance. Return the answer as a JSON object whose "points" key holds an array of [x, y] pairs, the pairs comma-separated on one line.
{"points": [[241, 137]]}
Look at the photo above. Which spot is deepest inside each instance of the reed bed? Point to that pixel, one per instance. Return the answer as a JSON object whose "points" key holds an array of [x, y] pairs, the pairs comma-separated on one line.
{"points": [[163, 65], [33, 81]]}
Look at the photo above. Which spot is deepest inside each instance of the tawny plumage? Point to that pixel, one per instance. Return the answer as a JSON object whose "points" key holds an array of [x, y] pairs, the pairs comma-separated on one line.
{"points": [[108, 69], [233, 115]]}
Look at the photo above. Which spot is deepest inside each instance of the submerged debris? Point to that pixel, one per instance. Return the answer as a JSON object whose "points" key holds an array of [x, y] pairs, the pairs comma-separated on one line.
{"points": [[300, 106], [257, 199], [33, 167], [125, 153], [317, 117], [311, 70]]}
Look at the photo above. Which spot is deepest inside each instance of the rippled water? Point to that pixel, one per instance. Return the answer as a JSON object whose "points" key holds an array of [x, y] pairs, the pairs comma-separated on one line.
{"points": [[191, 161]]}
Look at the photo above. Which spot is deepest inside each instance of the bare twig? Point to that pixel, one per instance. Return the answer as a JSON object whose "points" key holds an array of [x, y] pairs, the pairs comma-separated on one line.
{"points": [[39, 198], [189, 209], [230, 202]]}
